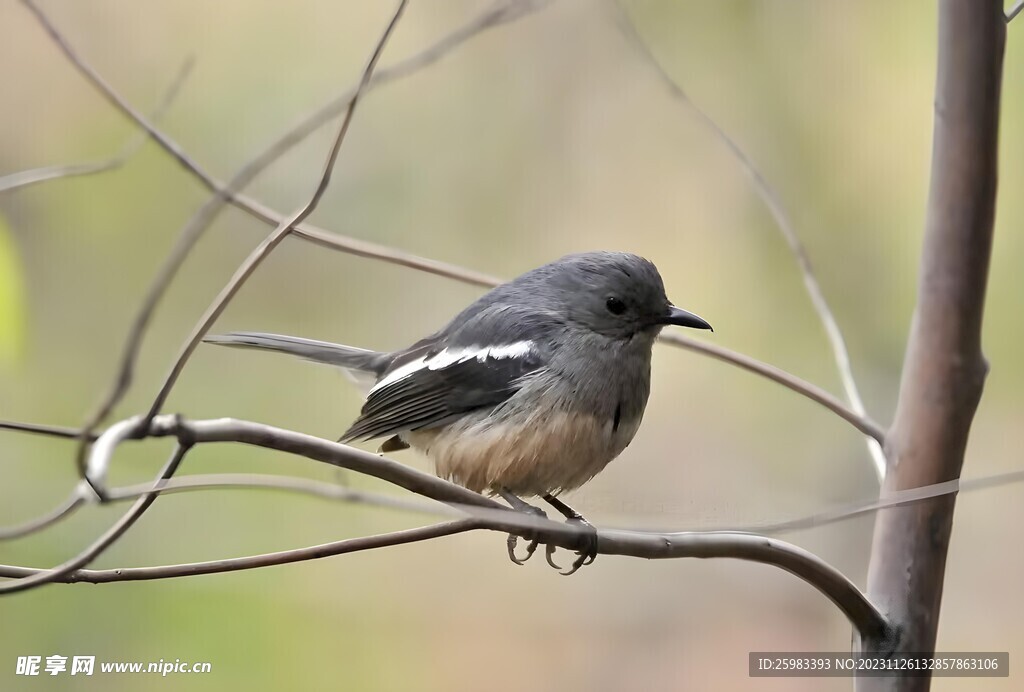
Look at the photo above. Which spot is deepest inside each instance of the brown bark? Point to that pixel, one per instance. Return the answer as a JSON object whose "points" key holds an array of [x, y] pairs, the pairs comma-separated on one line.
{"points": [[944, 369]]}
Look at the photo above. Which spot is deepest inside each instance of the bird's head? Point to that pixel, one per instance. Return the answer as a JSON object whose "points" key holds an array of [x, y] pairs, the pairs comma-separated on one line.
{"points": [[616, 294]]}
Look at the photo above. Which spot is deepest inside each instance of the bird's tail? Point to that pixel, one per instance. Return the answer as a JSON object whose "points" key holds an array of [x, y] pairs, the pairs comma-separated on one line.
{"points": [[361, 365]]}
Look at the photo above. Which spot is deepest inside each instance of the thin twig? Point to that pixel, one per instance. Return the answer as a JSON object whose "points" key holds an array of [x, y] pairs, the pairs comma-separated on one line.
{"points": [[187, 238], [38, 429], [253, 481], [826, 579], [363, 248], [1014, 11], [281, 232], [66, 508], [771, 199], [21, 179], [103, 542], [333, 492], [812, 392], [284, 557], [498, 14], [841, 591]]}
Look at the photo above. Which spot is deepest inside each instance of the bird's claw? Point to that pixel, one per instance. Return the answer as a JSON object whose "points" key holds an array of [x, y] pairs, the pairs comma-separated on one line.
{"points": [[513, 541], [587, 552]]}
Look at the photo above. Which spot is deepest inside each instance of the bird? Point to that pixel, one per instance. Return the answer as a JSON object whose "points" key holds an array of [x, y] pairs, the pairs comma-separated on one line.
{"points": [[530, 391]]}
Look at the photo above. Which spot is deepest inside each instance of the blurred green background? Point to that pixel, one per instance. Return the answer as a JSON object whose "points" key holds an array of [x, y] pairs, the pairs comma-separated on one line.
{"points": [[546, 136]]}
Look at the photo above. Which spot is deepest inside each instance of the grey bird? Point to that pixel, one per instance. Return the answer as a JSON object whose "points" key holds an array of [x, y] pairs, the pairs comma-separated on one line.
{"points": [[530, 391]]}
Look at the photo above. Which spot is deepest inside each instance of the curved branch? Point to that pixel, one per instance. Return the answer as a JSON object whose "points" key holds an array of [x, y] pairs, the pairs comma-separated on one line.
{"points": [[498, 14], [284, 557], [788, 380], [283, 229], [41, 429], [334, 492], [1014, 11], [773, 202], [491, 515], [13, 181], [47, 576], [255, 481], [819, 574], [868, 620], [318, 449], [65, 509]]}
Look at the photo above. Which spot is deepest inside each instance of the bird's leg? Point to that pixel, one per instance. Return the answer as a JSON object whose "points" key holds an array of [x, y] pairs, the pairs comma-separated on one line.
{"points": [[520, 506], [588, 537]]}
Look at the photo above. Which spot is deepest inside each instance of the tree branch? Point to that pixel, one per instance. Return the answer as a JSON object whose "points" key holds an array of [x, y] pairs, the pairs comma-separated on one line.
{"points": [[334, 492], [284, 557], [780, 376], [66, 508], [486, 513], [362, 248], [40, 429], [122, 525], [1014, 11], [944, 370], [773, 202], [253, 481], [13, 181], [331, 491], [499, 13], [281, 232]]}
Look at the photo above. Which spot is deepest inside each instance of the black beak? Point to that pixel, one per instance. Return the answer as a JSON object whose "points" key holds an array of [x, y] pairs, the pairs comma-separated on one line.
{"points": [[682, 318]]}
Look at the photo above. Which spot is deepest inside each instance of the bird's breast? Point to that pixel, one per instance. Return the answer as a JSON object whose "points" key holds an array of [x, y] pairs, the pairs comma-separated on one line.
{"points": [[546, 450], [563, 425]]}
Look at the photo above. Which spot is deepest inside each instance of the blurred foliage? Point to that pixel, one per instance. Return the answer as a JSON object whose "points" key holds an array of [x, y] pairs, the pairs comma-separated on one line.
{"points": [[533, 140], [12, 307]]}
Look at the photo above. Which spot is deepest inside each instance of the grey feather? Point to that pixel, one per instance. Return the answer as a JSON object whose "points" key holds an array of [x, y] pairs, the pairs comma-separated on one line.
{"points": [[361, 365], [564, 397]]}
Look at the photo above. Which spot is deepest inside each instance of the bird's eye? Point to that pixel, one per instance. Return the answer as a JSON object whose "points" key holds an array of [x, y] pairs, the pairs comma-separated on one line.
{"points": [[615, 306]]}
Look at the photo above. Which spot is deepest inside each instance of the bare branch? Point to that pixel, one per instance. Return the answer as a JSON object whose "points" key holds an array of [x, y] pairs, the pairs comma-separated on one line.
{"points": [[331, 491], [335, 492], [281, 232], [826, 579], [38, 429], [773, 202], [812, 392], [357, 247], [100, 544], [491, 515], [500, 13], [284, 557], [21, 179], [269, 437], [253, 481], [1014, 11], [65, 509]]}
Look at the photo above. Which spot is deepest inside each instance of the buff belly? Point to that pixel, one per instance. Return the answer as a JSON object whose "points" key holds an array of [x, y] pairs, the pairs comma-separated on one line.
{"points": [[542, 454]]}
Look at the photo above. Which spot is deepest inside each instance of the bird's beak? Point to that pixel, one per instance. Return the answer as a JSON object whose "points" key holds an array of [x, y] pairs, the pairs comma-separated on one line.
{"points": [[682, 318]]}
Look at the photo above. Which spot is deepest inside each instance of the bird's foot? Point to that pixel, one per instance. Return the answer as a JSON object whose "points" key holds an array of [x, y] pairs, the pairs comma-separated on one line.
{"points": [[587, 547], [513, 540]]}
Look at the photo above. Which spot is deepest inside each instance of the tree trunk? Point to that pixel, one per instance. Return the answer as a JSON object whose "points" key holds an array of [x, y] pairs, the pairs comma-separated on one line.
{"points": [[944, 370]]}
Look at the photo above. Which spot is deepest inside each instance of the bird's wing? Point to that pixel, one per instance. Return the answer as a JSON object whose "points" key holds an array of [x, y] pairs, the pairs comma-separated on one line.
{"points": [[479, 364]]}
